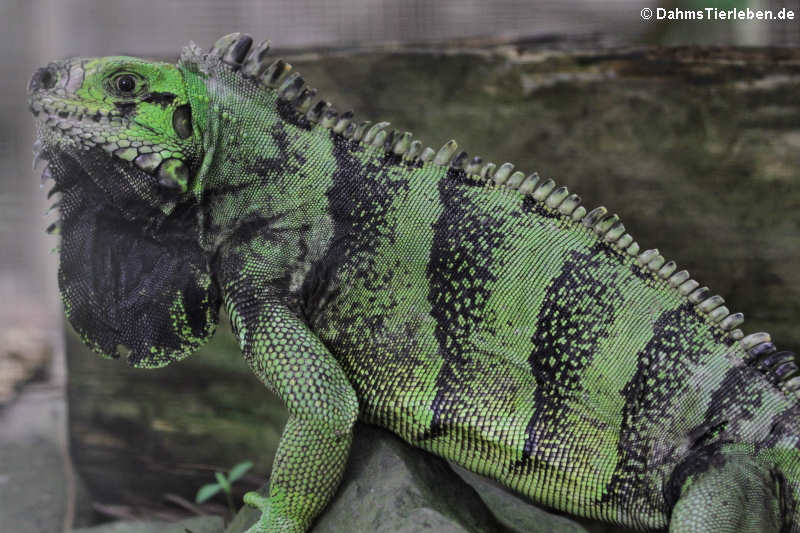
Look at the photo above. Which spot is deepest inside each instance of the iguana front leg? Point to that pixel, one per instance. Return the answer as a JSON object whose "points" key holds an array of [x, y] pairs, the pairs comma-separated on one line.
{"points": [[322, 405], [734, 495]]}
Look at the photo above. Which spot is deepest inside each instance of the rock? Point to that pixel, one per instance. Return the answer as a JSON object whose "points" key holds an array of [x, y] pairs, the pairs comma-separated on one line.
{"points": [[199, 524], [24, 354], [391, 487]]}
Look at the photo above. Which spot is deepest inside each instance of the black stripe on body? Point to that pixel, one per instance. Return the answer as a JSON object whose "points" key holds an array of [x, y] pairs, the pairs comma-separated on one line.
{"points": [[235, 208], [651, 396], [459, 176], [576, 313], [532, 205], [288, 112], [344, 297], [359, 201], [460, 273], [733, 404], [257, 176]]}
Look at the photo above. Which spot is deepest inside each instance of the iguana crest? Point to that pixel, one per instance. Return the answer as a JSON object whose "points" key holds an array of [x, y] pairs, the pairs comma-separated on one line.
{"points": [[153, 141]]}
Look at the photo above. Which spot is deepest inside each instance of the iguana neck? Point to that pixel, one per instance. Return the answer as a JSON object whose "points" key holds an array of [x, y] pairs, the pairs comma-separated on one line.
{"points": [[262, 190]]}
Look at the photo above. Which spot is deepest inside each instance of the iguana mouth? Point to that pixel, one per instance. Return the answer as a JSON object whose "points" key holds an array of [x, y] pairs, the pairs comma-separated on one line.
{"points": [[86, 128], [72, 120]]}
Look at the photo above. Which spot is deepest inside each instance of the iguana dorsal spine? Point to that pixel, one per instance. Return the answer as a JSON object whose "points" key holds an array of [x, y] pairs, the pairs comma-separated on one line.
{"points": [[274, 75]]}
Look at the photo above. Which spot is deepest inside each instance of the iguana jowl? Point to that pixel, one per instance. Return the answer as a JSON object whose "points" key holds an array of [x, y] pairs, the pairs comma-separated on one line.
{"points": [[481, 314]]}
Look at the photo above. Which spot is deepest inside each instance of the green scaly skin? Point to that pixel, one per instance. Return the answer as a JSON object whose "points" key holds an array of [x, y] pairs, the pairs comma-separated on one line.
{"points": [[480, 314]]}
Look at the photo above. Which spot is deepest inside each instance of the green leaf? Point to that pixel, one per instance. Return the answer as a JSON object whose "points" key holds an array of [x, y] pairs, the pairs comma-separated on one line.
{"points": [[239, 470], [206, 492], [223, 482]]}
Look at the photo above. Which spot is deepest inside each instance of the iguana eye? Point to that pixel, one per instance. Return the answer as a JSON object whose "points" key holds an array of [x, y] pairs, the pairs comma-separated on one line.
{"points": [[126, 83]]}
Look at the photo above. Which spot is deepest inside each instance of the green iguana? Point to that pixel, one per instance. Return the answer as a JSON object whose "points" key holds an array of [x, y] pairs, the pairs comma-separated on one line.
{"points": [[480, 313]]}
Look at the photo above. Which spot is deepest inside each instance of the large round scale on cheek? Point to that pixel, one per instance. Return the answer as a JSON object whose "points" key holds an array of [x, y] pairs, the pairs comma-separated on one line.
{"points": [[148, 161], [174, 174], [182, 121]]}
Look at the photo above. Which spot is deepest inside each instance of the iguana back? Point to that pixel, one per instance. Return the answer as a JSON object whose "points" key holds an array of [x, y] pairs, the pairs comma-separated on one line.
{"points": [[527, 344], [479, 313]]}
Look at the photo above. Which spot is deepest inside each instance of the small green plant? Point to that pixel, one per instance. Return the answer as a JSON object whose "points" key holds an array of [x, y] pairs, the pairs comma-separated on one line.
{"points": [[224, 484]]}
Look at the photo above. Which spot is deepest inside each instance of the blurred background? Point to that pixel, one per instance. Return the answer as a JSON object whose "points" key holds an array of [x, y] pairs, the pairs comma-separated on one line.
{"points": [[35, 436]]}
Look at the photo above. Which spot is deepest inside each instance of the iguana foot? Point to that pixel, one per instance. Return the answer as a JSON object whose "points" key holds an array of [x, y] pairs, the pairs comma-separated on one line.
{"points": [[271, 520]]}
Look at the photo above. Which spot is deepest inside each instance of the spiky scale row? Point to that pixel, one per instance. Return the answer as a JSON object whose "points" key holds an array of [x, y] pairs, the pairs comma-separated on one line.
{"points": [[291, 86], [329, 117], [474, 165], [569, 204], [515, 180], [445, 153], [555, 198], [731, 321], [780, 366], [543, 190], [594, 216], [615, 232], [256, 62], [502, 173], [414, 151], [373, 131], [343, 122], [487, 172], [380, 138], [608, 226], [225, 42], [304, 99], [459, 161], [237, 51]]}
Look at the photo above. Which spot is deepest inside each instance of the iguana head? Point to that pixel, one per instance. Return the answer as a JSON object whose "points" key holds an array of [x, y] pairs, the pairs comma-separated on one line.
{"points": [[135, 111], [121, 146], [136, 148]]}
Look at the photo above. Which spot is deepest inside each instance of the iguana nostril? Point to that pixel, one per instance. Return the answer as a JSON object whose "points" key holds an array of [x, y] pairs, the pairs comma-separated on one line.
{"points": [[44, 78]]}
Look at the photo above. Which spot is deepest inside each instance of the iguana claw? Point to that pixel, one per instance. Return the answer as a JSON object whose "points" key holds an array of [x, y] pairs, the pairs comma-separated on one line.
{"points": [[257, 501], [262, 503]]}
